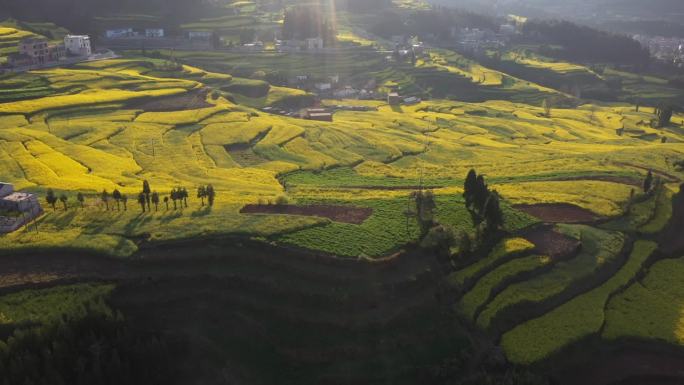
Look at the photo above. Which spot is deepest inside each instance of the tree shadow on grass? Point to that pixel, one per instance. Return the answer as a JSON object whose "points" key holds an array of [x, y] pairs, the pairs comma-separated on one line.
{"points": [[171, 216], [140, 220], [62, 219], [201, 212]]}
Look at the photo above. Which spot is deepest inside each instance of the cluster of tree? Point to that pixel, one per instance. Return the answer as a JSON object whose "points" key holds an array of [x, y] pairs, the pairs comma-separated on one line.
{"points": [[94, 349], [79, 16], [437, 22], [302, 22], [51, 198], [146, 198], [586, 44], [206, 192], [484, 207]]}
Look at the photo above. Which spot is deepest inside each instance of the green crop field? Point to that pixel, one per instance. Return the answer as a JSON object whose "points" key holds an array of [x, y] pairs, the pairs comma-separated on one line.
{"points": [[599, 248], [651, 308], [575, 319]]}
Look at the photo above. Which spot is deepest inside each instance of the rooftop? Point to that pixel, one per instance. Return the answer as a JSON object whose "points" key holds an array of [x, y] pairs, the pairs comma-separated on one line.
{"points": [[18, 197]]}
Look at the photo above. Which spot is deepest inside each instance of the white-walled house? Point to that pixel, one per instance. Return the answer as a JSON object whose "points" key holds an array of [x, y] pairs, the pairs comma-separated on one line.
{"points": [[119, 33], [154, 32], [78, 45], [16, 208], [200, 35], [314, 43]]}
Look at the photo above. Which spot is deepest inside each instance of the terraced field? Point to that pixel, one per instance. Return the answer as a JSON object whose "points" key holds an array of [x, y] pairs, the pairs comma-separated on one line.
{"points": [[579, 235]]}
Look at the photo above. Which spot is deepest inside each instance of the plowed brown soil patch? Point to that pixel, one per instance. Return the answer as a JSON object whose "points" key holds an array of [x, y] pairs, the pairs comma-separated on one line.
{"points": [[559, 213], [345, 214], [552, 243]]}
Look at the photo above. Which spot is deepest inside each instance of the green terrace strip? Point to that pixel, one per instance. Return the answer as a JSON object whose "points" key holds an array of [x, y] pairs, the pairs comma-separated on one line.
{"points": [[663, 210], [599, 248], [40, 306], [582, 316], [481, 292], [652, 309], [507, 248], [386, 230]]}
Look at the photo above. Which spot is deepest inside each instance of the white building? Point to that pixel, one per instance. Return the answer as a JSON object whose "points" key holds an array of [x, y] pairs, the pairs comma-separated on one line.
{"points": [[119, 33], [323, 86], [199, 35], [154, 32], [78, 45], [314, 43], [16, 208]]}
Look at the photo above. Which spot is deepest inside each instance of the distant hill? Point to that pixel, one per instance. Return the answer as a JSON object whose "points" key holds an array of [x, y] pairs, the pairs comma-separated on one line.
{"points": [[653, 17]]}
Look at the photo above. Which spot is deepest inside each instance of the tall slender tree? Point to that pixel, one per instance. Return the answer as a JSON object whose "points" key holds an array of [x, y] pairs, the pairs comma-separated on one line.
{"points": [[116, 195], [469, 187], [63, 198], [174, 197], [104, 196], [147, 191], [124, 199], [201, 193], [648, 182], [211, 195], [155, 200], [51, 199], [142, 201], [166, 202], [81, 199], [184, 195]]}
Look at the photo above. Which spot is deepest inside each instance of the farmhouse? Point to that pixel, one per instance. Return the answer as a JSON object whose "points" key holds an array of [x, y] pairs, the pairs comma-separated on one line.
{"points": [[36, 51], [78, 45], [154, 32], [393, 99], [320, 114], [119, 33], [314, 44], [16, 208], [199, 35]]}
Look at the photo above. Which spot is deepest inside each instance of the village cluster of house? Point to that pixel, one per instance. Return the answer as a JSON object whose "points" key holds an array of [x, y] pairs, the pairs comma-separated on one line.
{"points": [[332, 87], [323, 114], [478, 40], [667, 49], [16, 208], [39, 51], [152, 33], [311, 44], [156, 38]]}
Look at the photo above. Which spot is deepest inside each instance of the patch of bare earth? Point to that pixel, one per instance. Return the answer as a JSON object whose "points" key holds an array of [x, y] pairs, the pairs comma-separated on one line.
{"points": [[558, 213], [344, 214], [552, 243]]}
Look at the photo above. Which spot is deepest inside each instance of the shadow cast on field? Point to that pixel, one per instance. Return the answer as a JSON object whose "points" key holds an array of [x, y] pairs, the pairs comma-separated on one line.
{"points": [[204, 211], [170, 217]]}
